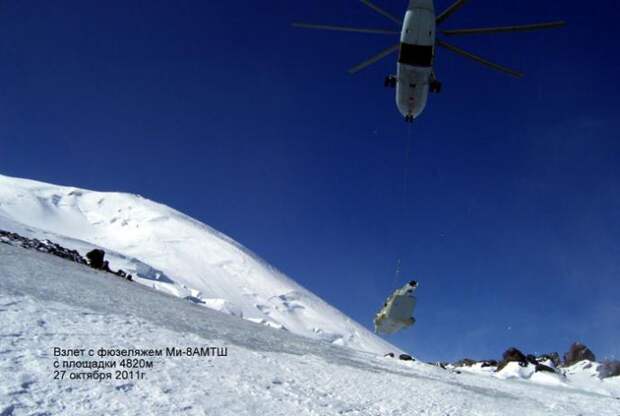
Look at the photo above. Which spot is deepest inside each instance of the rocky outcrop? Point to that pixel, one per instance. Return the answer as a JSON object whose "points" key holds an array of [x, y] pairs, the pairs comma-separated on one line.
{"points": [[465, 362], [554, 357], [531, 358], [489, 363], [542, 363], [549, 362], [544, 368], [609, 369], [95, 257], [43, 246], [96, 260], [512, 355], [578, 352], [468, 362]]}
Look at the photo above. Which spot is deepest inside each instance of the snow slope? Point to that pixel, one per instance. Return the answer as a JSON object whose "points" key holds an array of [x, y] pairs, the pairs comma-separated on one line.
{"points": [[48, 302], [176, 254]]}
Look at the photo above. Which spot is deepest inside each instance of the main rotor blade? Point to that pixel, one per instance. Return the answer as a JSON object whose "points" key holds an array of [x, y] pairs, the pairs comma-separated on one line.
{"points": [[374, 59], [450, 11], [501, 29], [345, 29], [382, 12], [479, 59]]}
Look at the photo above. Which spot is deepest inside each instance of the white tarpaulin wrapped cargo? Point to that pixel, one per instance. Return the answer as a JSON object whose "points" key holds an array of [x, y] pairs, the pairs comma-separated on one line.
{"points": [[397, 312]]}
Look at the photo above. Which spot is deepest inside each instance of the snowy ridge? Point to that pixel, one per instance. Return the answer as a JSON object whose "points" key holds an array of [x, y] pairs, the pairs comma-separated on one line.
{"points": [[582, 374], [177, 254]]}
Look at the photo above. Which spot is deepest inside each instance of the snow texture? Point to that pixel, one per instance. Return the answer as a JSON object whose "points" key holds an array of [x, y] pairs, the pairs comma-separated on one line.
{"points": [[169, 251], [48, 302]]}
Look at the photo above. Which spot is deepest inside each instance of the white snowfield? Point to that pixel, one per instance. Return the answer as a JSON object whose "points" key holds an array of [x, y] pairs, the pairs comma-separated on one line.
{"points": [[47, 302], [174, 253]]}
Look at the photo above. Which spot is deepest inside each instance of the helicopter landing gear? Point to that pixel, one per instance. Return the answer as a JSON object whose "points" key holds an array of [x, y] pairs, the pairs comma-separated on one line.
{"points": [[435, 86], [390, 81]]}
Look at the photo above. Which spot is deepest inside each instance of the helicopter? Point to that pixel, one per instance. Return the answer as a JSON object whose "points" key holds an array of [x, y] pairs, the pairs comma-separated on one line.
{"points": [[415, 77]]}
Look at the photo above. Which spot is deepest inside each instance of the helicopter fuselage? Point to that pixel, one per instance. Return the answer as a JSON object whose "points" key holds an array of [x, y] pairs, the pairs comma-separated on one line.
{"points": [[415, 77], [415, 63]]}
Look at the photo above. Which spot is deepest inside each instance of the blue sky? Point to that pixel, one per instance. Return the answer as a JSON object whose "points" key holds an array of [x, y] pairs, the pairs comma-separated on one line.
{"points": [[511, 221]]}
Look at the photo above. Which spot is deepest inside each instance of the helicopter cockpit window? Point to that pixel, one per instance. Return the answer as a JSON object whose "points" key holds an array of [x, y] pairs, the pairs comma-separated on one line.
{"points": [[416, 55]]}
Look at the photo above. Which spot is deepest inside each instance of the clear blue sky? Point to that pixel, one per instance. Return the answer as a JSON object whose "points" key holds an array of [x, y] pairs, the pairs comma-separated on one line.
{"points": [[221, 110]]}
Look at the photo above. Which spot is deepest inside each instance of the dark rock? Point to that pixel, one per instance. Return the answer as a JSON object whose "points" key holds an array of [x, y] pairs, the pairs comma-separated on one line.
{"points": [[406, 357], [554, 357], [468, 362], [490, 363], [123, 274], [95, 259], [530, 358], [389, 354], [442, 364], [465, 362], [194, 299], [609, 369], [544, 368], [512, 355], [578, 352]]}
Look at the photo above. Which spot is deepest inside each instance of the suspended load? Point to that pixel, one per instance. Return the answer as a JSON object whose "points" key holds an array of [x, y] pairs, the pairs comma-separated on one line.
{"points": [[397, 312]]}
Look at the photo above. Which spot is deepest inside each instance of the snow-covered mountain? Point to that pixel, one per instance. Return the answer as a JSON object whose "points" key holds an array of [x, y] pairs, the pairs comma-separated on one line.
{"points": [[47, 302], [172, 252]]}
